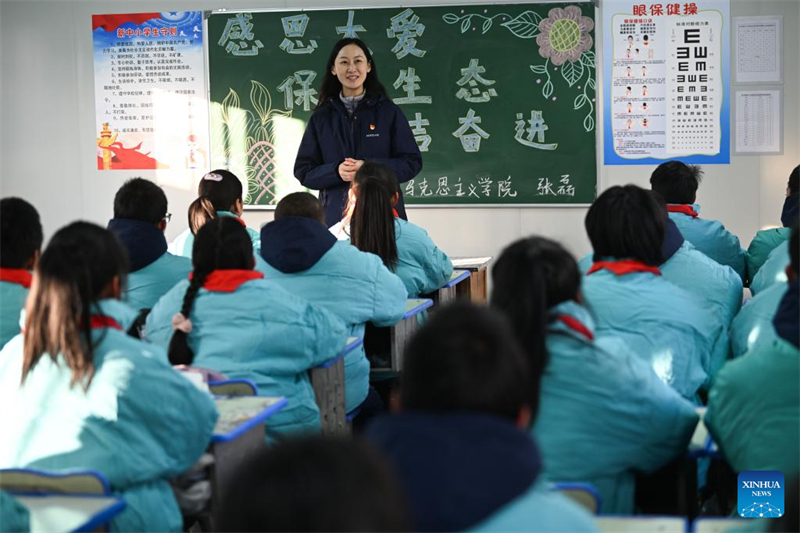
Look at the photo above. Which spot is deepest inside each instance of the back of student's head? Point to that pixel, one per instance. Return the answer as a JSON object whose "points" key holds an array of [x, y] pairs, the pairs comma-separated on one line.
{"points": [[793, 185], [218, 191], [794, 250], [221, 244], [677, 182], [20, 233], [82, 264], [314, 484], [140, 199], [372, 223], [529, 278], [626, 223], [300, 204], [466, 359]]}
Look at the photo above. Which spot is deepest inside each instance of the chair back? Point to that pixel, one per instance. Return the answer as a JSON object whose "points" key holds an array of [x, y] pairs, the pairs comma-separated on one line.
{"points": [[33, 481], [233, 387]]}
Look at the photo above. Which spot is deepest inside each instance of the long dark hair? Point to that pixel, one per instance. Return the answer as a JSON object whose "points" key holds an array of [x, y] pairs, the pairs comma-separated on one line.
{"points": [[75, 269], [221, 244], [531, 276], [372, 223], [217, 191], [331, 86]]}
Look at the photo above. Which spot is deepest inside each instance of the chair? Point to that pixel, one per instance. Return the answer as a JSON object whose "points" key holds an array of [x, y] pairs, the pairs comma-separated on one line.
{"points": [[584, 494], [32, 481], [719, 525], [233, 387], [641, 524]]}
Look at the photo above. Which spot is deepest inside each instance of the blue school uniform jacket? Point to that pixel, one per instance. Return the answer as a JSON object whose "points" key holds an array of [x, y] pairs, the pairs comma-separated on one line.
{"points": [[761, 246], [603, 413], [182, 245], [774, 269], [306, 260], [247, 327], [139, 422], [12, 300], [377, 132], [14, 517], [663, 324], [711, 238], [420, 264], [753, 327]]}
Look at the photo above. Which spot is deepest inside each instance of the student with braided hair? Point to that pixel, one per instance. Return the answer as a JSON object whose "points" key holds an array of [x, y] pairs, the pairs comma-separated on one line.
{"points": [[229, 319]]}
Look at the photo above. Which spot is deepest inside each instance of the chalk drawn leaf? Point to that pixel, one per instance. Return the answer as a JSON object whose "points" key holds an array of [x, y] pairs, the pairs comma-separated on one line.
{"points": [[261, 100], [572, 72], [539, 69], [450, 18], [486, 25], [580, 101], [588, 59], [590, 83], [547, 90], [465, 24], [588, 122], [525, 25]]}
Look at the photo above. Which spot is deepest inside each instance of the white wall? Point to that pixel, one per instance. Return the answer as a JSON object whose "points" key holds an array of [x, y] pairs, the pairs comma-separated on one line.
{"points": [[47, 136]]}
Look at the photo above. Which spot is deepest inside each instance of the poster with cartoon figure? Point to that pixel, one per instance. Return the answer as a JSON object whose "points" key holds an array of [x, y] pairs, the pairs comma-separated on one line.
{"points": [[150, 105]]}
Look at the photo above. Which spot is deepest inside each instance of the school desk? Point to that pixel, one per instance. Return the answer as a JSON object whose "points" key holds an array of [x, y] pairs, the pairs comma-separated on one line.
{"points": [[402, 331], [450, 290], [328, 382], [60, 513], [702, 445], [477, 288]]}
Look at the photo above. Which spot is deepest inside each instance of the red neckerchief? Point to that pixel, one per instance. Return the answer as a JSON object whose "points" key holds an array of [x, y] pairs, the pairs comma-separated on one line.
{"points": [[683, 208], [228, 280], [394, 212], [103, 321], [624, 266], [240, 221], [20, 276], [577, 326]]}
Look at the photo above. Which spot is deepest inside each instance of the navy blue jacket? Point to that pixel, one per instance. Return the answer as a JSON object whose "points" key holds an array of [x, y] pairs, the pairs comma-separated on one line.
{"points": [[378, 132]]}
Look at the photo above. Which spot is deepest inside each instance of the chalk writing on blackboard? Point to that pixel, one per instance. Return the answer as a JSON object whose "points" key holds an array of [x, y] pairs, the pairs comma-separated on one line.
{"points": [[471, 142], [238, 38], [486, 187], [408, 79], [471, 76], [350, 31], [406, 28], [536, 128], [420, 133]]}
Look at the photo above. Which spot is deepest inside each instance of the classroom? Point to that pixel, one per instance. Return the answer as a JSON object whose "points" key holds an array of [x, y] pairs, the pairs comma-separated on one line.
{"points": [[518, 200]]}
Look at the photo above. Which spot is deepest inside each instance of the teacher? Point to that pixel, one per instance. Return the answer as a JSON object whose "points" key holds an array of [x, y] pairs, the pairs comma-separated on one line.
{"points": [[355, 120]]}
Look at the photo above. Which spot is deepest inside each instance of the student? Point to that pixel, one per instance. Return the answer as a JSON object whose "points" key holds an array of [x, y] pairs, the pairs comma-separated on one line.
{"points": [[767, 240], [14, 517], [140, 218], [20, 242], [595, 393], [773, 271], [76, 392], [677, 183], [753, 325], [754, 407], [461, 443], [229, 319], [219, 193], [661, 322], [305, 259], [313, 484], [404, 248]]}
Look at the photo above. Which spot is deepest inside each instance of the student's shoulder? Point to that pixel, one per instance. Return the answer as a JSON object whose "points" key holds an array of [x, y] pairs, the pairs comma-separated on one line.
{"points": [[693, 258], [409, 230], [176, 261]]}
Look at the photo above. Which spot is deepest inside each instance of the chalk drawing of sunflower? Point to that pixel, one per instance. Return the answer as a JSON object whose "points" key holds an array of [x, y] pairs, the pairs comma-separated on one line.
{"points": [[564, 35]]}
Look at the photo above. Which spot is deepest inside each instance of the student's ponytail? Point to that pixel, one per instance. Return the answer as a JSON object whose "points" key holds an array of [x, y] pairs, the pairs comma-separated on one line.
{"points": [[218, 191], [179, 351], [372, 224], [200, 212]]}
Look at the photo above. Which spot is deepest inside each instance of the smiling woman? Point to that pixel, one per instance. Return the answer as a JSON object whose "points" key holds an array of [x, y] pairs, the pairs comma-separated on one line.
{"points": [[355, 121]]}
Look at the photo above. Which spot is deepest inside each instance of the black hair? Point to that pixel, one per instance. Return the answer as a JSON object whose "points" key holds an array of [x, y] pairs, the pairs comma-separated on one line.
{"points": [[217, 191], [794, 250], [627, 222], [531, 276], [793, 185], [221, 244], [140, 199], [331, 86], [75, 269], [465, 358], [311, 484], [677, 182], [300, 204], [20, 233], [372, 223]]}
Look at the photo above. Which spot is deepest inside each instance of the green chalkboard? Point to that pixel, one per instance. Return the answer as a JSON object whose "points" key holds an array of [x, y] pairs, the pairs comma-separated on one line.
{"points": [[501, 98]]}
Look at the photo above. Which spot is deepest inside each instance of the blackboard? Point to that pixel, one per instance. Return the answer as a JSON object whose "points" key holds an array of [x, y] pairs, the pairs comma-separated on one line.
{"points": [[501, 98]]}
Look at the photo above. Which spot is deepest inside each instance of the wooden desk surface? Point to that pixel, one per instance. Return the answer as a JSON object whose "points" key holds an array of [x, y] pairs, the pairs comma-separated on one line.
{"points": [[415, 306], [456, 277], [237, 414], [64, 512]]}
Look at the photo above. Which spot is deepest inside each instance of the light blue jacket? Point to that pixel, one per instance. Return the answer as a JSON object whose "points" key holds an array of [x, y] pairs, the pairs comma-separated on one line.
{"points": [[604, 414], [663, 324], [12, 301], [711, 238], [773, 270], [14, 517], [148, 284], [262, 333], [760, 247], [753, 325], [182, 244], [139, 422], [421, 265], [539, 510], [356, 287]]}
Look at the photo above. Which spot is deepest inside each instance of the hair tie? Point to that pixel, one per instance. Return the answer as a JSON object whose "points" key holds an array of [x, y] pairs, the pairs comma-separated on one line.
{"points": [[212, 176], [181, 323]]}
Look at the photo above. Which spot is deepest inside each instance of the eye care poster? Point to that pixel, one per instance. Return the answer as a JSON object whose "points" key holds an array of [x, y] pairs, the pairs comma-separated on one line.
{"points": [[667, 79]]}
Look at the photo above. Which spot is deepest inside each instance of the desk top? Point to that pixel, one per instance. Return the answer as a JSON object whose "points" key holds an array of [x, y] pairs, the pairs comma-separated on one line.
{"points": [[69, 512], [702, 444], [456, 277], [238, 414], [414, 306], [470, 263], [352, 344]]}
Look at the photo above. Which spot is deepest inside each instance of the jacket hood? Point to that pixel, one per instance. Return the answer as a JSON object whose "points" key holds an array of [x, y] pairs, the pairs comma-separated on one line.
{"points": [[673, 239], [143, 240], [785, 321], [457, 468], [790, 210], [294, 244]]}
